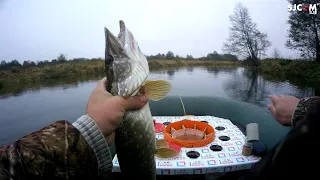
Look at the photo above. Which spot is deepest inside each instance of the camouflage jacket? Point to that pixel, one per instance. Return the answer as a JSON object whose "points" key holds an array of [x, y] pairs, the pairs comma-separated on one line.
{"points": [[69, 151], [59, 151]]}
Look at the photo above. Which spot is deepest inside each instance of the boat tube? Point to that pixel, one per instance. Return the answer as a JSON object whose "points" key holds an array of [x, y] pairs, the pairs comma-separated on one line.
{"points": [[240, 113]]}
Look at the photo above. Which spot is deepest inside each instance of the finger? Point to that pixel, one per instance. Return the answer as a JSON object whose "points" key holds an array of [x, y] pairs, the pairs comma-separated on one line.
{"points": [[272, 109], [135, 102], [274, 99], [103, 83]]}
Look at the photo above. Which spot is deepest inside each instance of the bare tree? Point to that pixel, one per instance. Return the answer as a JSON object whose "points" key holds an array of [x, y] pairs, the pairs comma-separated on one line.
{"points": [[244, 38], [276, 54]]}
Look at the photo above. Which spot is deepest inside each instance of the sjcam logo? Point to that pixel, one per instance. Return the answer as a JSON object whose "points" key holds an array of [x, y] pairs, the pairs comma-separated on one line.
{"points": [[307, 8]]}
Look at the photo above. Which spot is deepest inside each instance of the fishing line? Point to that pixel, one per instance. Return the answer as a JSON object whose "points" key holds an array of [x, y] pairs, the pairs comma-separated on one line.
{"points": [[184, 110]]}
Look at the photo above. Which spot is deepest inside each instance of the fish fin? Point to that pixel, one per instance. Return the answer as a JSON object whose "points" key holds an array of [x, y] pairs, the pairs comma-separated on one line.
{"points": [[157, 89], [161, 144], [166, 153]]}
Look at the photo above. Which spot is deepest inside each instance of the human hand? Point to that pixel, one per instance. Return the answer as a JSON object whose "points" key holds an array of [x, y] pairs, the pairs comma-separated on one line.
{"points": [[108, 110], [283, 107]]}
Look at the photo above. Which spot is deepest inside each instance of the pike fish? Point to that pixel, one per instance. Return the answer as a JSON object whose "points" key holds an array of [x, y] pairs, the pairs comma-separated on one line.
{"points": [[127, 71]]}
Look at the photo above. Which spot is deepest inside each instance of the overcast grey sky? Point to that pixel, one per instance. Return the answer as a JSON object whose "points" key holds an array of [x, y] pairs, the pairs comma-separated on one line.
{"points": [[41, 29]]}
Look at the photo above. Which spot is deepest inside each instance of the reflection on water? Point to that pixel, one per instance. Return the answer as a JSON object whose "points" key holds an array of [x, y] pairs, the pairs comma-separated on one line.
{"points": [[236, 83], [25, 111], [247, 86], [170, 73], [190, 69], [53, 84]]}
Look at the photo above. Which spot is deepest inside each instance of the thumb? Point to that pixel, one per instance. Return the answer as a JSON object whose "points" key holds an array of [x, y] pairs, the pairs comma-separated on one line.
{"points": [[135, 102], [272, 109], [102, 83], [274, 99]]}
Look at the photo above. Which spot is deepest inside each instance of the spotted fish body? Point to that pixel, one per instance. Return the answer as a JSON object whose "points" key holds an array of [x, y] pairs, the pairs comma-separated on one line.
{"points": [[127, 69]]}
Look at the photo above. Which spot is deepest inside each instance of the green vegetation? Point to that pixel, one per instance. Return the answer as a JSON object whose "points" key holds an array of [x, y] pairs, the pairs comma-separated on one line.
{"points": [[304, 31], [13, 74], [19, 75], [16, 75], [160, 63], [307, 71]]}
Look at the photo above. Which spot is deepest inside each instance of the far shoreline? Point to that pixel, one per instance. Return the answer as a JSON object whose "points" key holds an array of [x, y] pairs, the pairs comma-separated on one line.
{"points": [[276, 68], [18, 75]]}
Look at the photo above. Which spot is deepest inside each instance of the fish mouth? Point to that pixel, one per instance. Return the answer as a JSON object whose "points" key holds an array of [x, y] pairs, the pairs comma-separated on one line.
{"points": [[108, 60], [126, 66], [112, 49]]}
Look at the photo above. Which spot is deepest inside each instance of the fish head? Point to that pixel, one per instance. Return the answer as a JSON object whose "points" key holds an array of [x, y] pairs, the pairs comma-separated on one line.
{"points": [[127, 67]]}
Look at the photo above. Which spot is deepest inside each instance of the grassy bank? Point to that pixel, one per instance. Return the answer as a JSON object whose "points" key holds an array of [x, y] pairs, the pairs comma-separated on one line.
{"points": [[55, 72], [308, 71], [156, 64], [71, 70]]}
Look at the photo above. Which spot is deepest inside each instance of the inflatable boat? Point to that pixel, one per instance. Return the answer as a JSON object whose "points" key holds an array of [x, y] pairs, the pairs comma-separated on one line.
{"points": [[240, 113], [219, 112]]}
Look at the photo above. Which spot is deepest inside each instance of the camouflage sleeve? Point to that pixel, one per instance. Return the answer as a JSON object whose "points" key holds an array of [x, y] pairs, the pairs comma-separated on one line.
{"points": [[58, 151], [302, 108], [97, 141]]}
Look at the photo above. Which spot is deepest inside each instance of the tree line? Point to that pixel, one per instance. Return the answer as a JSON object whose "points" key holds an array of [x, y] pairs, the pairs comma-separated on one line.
{"points": [[215, 56], [62, 59], [14, 64]]}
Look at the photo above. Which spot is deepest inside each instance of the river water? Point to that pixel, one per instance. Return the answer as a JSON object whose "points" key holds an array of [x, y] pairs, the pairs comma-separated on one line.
{"points": [[30, 110]]}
